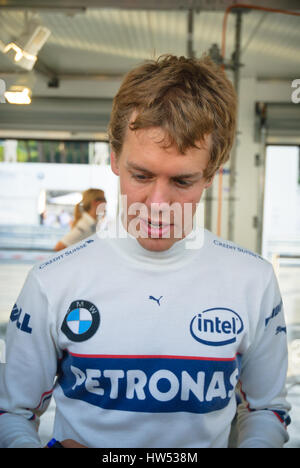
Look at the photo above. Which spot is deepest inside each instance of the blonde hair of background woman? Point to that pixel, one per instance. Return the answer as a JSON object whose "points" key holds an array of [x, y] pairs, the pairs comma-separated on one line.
{"points": [[88, 196]]}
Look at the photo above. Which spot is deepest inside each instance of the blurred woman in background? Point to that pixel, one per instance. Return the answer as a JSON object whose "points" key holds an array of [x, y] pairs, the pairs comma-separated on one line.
{"points": [[85, 217]]}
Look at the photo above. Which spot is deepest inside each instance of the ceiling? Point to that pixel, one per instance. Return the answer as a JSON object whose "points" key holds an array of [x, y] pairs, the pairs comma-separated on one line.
{"points": [[94, 43]]}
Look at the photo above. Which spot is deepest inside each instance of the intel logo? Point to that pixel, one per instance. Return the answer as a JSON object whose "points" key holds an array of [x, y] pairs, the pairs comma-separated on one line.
{"points": [[216, 327]]}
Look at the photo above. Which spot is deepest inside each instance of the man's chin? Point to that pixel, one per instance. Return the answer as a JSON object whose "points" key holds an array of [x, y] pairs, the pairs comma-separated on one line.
{"points": [[155, 244]]}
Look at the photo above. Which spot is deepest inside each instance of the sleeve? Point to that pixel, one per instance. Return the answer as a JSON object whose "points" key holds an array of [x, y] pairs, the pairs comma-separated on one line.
{"points": [[74, 236], [28, 374], [263, 414], [78, 233]]}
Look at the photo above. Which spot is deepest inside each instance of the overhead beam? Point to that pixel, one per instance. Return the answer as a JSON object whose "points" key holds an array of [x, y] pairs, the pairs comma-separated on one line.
{"points": [[71, 115], [203, 5]]}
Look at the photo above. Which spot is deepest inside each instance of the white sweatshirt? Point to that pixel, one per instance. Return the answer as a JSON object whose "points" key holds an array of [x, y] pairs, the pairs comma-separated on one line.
{"points": [[85, 227], [149, 347]]}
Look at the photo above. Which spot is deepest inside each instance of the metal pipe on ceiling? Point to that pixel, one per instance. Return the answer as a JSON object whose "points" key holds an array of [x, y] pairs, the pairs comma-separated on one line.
{"points": [[233, 156], [190, 38]]}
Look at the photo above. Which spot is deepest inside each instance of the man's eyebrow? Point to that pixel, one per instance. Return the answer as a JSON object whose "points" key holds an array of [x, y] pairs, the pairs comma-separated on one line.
{"points": [[131, 165], [188, 176]]}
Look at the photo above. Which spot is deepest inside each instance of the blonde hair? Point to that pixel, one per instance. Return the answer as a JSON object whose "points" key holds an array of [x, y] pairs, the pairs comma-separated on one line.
{"points": [[187, 97], [88, 196]]}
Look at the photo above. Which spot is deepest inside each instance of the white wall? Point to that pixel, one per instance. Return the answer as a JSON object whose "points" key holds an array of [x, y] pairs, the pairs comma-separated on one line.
{"points": [[247, 172], [282, 200], [21, 184]]}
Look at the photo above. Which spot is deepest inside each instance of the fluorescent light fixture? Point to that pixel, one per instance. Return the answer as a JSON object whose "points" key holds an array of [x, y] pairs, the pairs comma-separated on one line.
{"points": [[28, 44], [18, 95], [20, 54]]}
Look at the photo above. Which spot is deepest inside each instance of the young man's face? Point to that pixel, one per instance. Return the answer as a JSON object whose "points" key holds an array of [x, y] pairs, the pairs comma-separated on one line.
{"points": [[158, 179]]}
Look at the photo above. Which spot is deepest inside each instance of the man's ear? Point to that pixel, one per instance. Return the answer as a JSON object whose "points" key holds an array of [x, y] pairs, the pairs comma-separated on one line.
{"points": [[114, 163], [209, 182]]}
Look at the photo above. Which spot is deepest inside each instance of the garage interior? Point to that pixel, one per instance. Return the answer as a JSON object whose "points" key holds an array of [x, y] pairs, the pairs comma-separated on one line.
{"points": [[84, 50]]}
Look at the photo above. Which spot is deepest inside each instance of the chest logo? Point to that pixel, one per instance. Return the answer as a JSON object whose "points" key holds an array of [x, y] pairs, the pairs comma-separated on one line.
{"points": [[216, 327], [156, 300], [81, 321]]}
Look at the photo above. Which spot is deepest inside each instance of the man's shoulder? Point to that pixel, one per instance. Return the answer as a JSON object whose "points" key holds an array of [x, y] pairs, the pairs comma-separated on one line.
{"points": [[235, 255], [69, 257]]}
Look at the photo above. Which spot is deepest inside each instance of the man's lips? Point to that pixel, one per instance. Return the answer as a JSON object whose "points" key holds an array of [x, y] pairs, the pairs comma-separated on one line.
{"points": [[156, 223], [156, 230]]}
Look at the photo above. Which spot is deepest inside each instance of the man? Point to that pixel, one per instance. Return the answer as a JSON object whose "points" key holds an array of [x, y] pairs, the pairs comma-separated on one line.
{"points": [[150, 337]]}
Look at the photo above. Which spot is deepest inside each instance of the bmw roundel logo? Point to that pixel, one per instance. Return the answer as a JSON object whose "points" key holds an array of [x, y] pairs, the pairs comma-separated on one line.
{"points": [[81, 321]]}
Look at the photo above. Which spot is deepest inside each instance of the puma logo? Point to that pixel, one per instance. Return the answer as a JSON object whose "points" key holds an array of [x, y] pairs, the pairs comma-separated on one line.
{"points": [[280, 329], [156, 300]]}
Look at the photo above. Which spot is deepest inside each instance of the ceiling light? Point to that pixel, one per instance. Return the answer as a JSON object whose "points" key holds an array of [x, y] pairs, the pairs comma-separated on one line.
{"points": [[18, 95], [20, 53], [28, 44]]}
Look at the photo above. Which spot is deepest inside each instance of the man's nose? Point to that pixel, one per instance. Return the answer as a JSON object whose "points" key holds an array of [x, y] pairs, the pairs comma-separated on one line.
{"points": [[159, 194]]}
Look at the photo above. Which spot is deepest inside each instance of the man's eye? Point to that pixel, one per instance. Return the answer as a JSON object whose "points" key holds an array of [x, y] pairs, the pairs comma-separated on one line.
{"points": [[139, 177], [183, 183]]}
